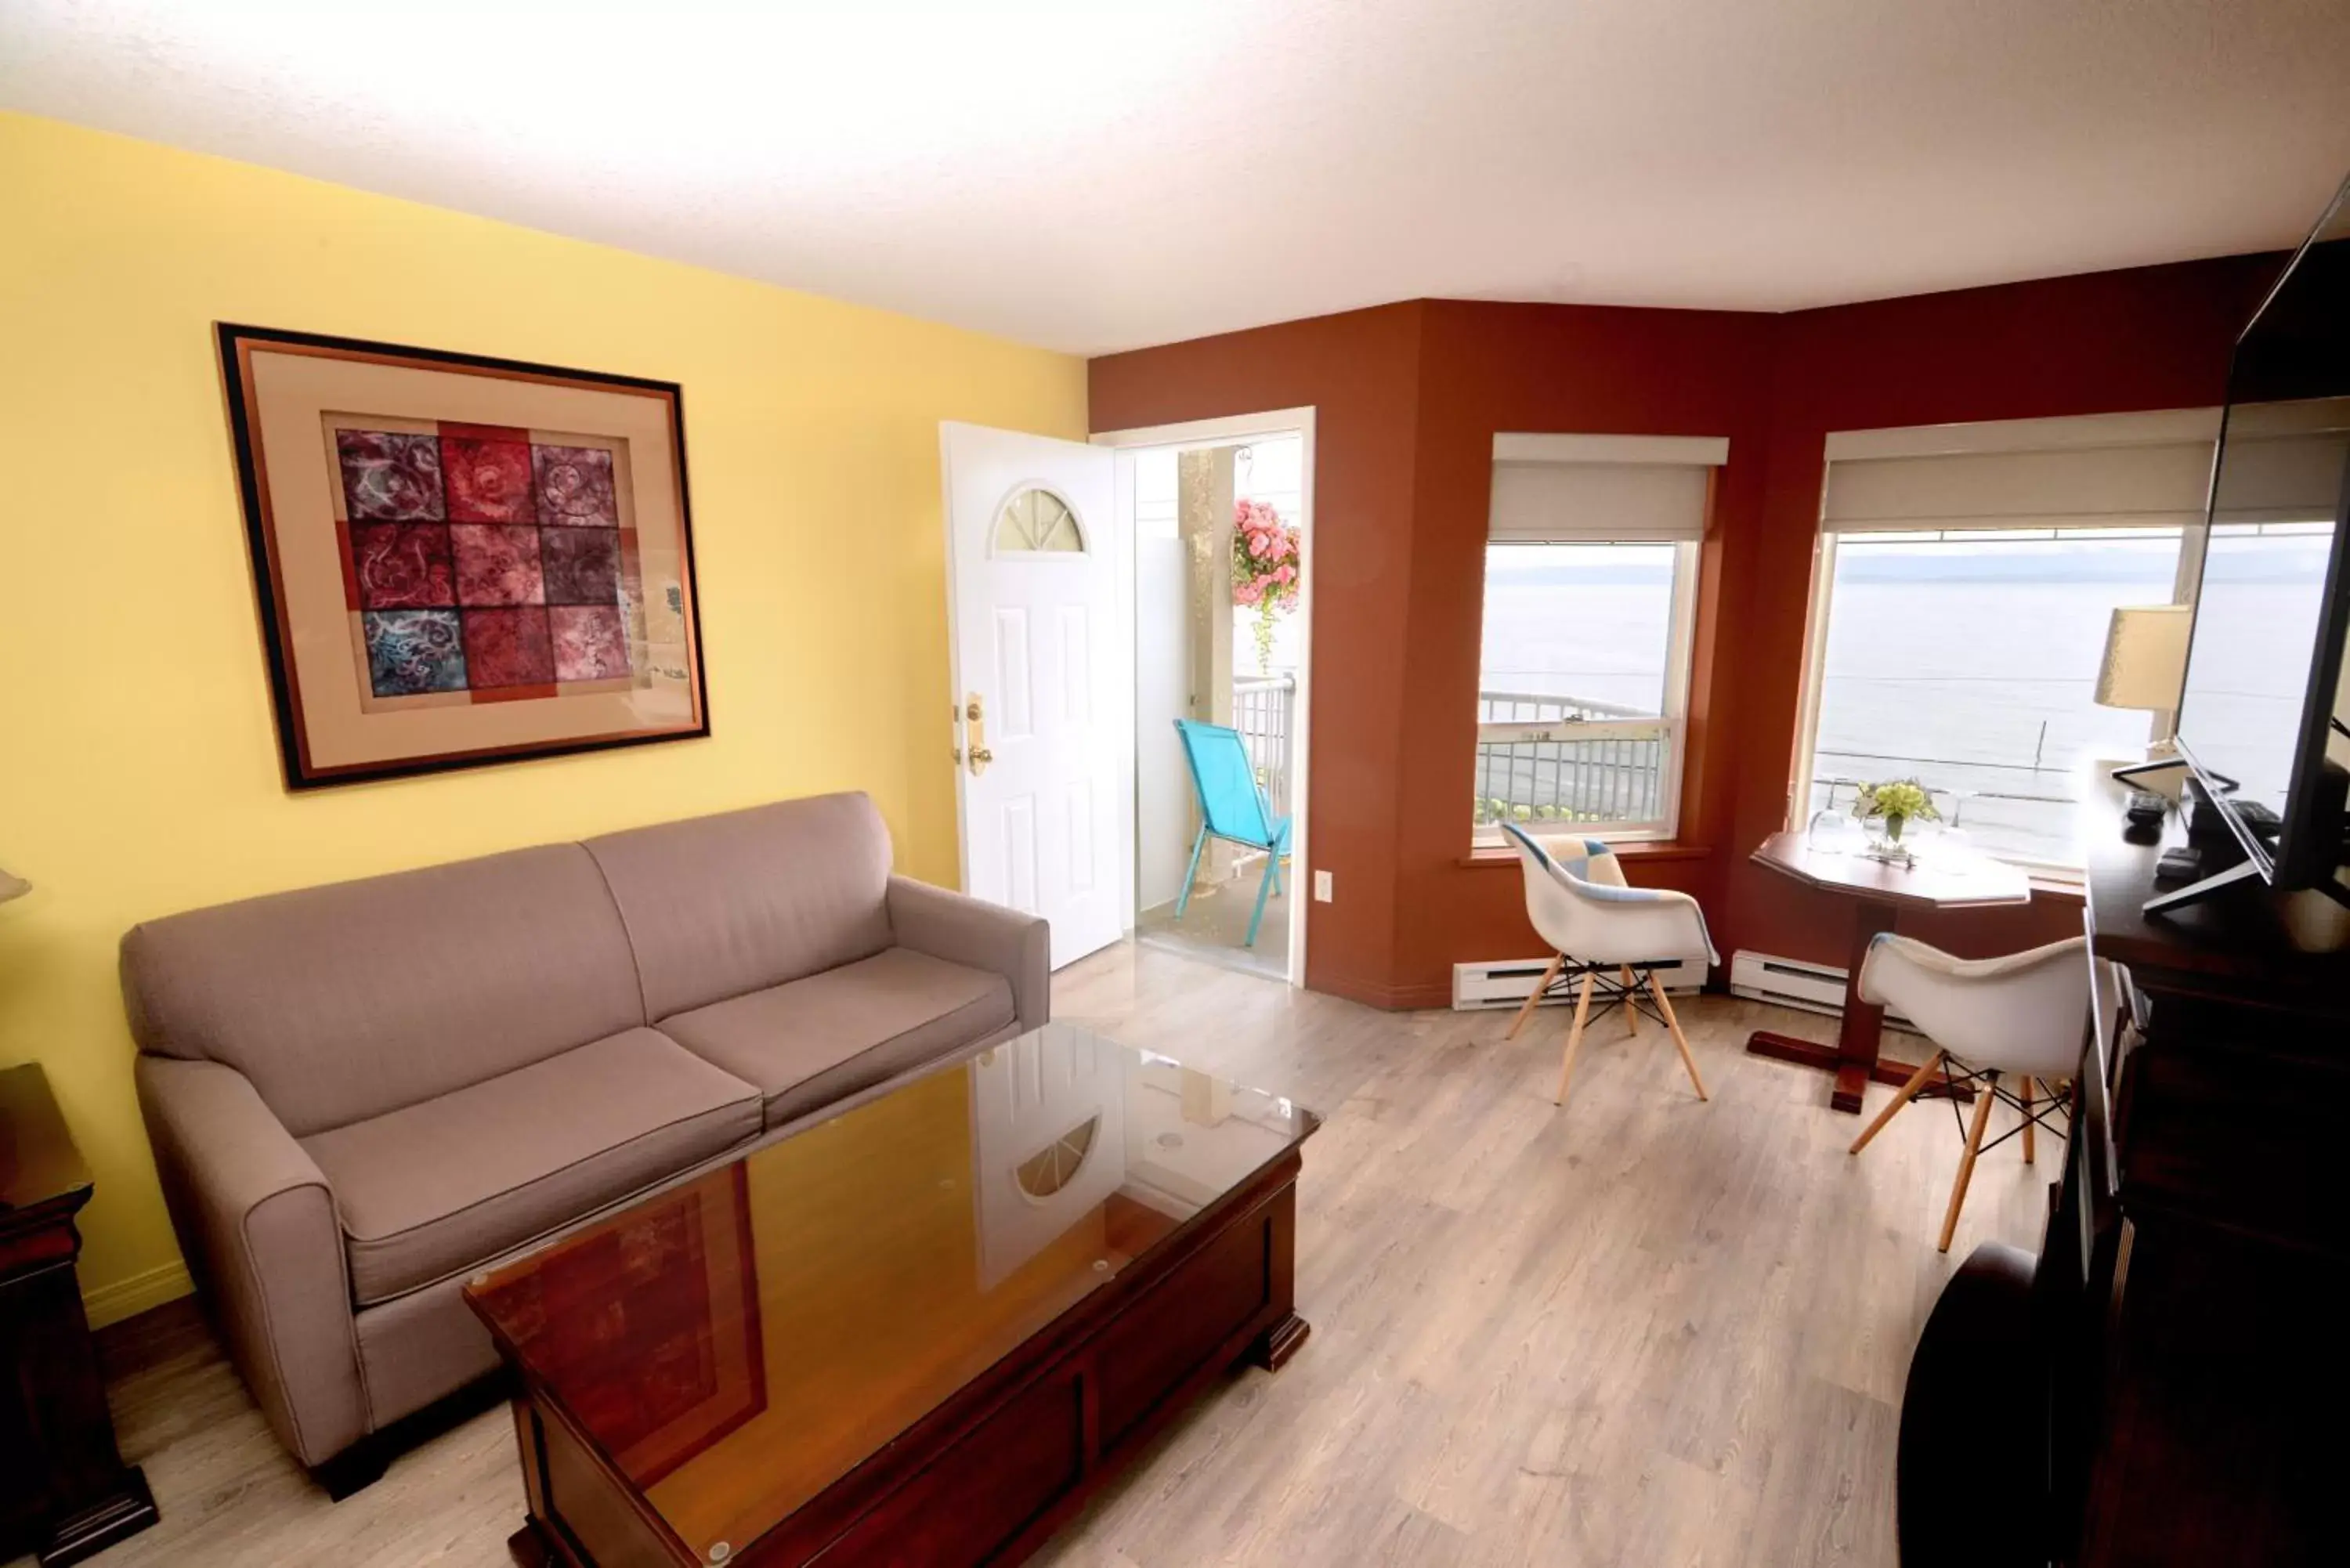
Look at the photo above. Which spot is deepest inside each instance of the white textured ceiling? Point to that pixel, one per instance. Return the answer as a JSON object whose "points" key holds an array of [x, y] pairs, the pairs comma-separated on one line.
{"points": [[1092, 175]]}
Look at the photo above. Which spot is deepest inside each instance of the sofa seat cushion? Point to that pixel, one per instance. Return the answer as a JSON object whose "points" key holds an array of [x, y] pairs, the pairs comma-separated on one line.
{"points": [[432, 1189], [810, 1042]]}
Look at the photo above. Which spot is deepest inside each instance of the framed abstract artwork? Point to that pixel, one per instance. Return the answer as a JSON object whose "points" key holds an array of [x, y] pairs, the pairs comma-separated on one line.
{"points": [[460, 560]]}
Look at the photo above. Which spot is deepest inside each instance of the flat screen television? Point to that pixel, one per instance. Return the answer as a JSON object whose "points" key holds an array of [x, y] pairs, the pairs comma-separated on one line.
{"points": [[2260, 720]]}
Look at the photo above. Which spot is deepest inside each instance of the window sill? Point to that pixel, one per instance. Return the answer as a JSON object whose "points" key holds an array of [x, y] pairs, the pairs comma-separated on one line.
{"points": [[1488, 856]]}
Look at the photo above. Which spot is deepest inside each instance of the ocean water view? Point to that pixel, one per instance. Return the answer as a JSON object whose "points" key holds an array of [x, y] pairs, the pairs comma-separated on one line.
{"points": [[1970, 665], [1967, 663]]}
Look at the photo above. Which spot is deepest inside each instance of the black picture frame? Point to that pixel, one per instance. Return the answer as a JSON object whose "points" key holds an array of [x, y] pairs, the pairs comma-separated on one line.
{"points": [[234, 342]]}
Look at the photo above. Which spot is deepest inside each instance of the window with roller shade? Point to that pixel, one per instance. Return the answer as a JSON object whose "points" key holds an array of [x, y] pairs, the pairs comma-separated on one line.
{"points": [[1590, 592], [1963, 597]]}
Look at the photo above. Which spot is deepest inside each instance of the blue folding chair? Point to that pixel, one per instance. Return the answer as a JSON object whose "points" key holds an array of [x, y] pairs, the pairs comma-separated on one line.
{"points": [[1233, 807]]}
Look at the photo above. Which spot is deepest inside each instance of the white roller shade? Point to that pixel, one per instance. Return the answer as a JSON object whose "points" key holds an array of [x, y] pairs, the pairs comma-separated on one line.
{"points": [[2155, 485], [1595, 489], [2285, 462]]}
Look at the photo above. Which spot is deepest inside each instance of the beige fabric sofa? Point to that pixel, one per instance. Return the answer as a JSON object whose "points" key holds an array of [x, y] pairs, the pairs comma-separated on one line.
{"points": [[361, 1094]]}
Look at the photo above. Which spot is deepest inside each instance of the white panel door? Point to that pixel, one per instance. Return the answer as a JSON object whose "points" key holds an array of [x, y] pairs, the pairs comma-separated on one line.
{"points": [[1040, 651]]}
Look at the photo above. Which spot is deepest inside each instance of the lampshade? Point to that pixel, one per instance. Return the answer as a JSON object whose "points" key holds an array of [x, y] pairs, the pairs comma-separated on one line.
{"points": [[13, 886], [2145, 656]]}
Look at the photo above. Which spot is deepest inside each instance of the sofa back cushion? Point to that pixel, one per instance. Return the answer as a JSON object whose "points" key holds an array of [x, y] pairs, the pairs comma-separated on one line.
{"points": [[353, 1000], [721, 905]]}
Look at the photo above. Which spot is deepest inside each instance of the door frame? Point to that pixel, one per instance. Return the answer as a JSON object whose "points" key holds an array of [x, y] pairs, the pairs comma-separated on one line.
{"points": [[1235, 429]]}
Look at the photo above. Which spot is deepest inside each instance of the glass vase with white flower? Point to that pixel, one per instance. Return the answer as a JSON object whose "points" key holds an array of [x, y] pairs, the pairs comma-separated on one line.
{"points": [[1889, 809]]}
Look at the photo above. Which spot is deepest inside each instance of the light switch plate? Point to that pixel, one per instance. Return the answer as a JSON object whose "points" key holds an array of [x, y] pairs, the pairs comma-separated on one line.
{"points": [[1321, 887]]}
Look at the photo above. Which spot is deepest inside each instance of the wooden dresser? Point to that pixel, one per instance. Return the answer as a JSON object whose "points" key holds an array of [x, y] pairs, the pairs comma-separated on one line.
{"points": [[2192, 1286], [65, 1491]]}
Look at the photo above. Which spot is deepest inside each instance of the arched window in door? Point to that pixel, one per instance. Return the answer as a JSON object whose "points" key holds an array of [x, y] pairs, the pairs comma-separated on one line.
{"points": [[1051, 1168], [1038, 521]]}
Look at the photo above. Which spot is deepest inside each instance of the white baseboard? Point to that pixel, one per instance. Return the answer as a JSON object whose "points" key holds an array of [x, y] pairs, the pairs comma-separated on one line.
{"points": [[128, 1298], [1506, 983], [1798, 983]]}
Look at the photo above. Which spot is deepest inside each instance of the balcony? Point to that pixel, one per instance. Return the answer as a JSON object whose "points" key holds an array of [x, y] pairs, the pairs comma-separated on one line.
{"points": [[1264, 711], [1541, 758], [1545, 758]]}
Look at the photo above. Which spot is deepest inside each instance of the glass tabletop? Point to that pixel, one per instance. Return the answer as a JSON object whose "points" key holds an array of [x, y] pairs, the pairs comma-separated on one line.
{"points": [[738, 1344]]}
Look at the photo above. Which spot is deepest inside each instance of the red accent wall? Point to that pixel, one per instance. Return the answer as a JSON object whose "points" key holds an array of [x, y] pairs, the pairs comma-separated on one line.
{"points": [[2150, 338], [1360, 372], [1488, 368], [1409, 397]]}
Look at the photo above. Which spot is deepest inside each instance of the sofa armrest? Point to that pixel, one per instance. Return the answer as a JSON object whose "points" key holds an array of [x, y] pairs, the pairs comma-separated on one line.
{"points": [[257, 1216], [967, 930]]}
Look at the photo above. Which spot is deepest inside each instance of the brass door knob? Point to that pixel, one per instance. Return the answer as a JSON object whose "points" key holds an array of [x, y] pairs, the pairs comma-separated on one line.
{"points": [[980, 756]]}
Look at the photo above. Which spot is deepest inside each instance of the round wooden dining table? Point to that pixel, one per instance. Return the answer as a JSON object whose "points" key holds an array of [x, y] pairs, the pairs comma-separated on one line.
{"points": [[1941, 879]]}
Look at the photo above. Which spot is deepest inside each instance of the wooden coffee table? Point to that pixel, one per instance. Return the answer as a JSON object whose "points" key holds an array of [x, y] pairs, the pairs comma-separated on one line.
{"points": [[923, 1330]]}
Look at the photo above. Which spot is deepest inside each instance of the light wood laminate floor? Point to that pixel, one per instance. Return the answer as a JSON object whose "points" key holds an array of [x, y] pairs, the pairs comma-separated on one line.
{"points": [[1640, 1330]]}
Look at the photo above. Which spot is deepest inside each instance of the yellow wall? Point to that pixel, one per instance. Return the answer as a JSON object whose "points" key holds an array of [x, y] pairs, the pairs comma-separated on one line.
{"points": [[137, 766]]}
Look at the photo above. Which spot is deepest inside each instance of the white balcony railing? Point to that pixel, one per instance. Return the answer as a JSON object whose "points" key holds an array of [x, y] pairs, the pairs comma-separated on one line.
{"points": [[1264, 711], [1539, 757], [1547, 758]]}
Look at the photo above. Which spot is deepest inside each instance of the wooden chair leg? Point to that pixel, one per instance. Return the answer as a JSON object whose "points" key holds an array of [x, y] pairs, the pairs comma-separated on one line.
{"points": [[1680, 1041], [2026, 1097], [1573, 1038], [1631, 1001], [1541, 988], [1967, 1161], [1901, 1096]]}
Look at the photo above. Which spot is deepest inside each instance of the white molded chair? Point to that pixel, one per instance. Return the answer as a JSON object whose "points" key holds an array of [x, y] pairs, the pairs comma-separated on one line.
{"points": [[2023, 1016], [1606, 934]]}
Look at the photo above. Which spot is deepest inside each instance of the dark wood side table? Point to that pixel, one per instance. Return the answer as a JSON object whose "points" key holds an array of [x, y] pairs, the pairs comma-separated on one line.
{"points": [[1953, 880], [2200, 1242], [2177, 1401], [65, 1491]]}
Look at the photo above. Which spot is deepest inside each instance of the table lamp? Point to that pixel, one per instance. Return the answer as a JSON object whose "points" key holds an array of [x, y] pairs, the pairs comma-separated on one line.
{"points": [[2146, 657], [13, 886], [2145, 668]]}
